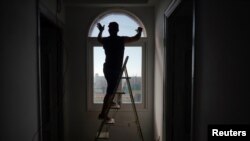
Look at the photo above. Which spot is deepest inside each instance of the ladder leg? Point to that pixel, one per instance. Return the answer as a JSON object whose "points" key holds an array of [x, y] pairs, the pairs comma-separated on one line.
{"points": [[111, 99], [103, 121], [133, 105], [124, 69], [99, 130]]}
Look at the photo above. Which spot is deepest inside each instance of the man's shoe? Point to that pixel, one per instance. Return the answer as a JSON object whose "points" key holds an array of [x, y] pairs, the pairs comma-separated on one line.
{"points": [[107, 119], [114, 105]]}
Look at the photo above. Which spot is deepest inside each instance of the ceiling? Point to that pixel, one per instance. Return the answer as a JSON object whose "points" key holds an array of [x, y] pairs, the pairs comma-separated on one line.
{"points": [[110, 2]]}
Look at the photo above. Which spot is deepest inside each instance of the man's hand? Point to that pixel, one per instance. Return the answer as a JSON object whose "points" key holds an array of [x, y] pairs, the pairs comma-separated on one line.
{"points": [[100, 27], [139, 29]]}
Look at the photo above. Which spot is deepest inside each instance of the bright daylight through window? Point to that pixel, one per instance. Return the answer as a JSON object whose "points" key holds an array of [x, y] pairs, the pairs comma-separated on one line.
{"points": [[134, 69]]}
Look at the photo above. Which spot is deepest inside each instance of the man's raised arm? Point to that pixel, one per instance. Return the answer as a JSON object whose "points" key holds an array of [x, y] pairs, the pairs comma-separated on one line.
{"points": [[134, 38], [101, 28]]}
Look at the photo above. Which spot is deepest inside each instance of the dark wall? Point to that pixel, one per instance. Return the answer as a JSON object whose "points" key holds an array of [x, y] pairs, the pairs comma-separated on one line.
{"points": [[222, 94], [18, 70], [178, 72]]}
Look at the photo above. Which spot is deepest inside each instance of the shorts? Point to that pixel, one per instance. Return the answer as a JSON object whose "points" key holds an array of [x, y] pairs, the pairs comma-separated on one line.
{"points": [[112, 77]]}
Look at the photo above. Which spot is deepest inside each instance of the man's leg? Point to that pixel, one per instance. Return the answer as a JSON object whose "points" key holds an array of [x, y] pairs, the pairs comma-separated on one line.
{"points": [[112, 80], [107, 100]]}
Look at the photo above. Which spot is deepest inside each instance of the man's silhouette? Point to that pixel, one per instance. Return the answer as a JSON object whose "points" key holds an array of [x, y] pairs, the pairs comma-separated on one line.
{"points": [[114, 49]]}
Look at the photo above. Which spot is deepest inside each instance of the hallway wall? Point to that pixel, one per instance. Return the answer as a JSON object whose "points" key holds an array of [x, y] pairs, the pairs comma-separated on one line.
{"points": [[222, 94], [81, 124], [159, 69], [53, 7], [18, 73], [221, 64]]}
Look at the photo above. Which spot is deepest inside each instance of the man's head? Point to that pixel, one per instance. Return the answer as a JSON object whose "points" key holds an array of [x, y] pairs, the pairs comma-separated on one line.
{"points": [[113, 28]]}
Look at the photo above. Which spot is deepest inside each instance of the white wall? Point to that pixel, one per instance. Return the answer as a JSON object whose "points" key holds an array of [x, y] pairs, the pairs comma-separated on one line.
{"points": [[18, 73], [159, 68], [81, 124]]}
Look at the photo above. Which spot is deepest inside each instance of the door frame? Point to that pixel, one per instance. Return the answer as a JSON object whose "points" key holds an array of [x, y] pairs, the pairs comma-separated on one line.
{"points": [[41, 10], [167, 104]]}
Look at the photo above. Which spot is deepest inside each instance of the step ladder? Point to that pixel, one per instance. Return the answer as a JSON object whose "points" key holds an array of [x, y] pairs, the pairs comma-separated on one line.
{"points": [[104, 134]]}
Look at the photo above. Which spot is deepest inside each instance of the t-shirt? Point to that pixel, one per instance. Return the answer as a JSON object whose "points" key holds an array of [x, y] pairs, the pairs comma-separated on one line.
{"points": [[114, 50]]}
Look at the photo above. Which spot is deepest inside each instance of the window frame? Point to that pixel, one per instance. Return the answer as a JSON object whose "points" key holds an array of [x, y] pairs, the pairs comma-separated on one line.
{"points": [[117, 11], [91, 106]]}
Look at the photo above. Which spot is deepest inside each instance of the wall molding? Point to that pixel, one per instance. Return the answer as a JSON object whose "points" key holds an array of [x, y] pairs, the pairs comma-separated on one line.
{"points": [[172, 6]]}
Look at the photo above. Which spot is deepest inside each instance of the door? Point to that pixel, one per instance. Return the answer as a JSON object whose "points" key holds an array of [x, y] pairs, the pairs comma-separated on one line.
{"points": [[51, 80], [179, 73]]}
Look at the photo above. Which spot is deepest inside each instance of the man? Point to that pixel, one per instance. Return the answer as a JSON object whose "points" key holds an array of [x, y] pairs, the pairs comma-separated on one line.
{"points": [[114, 49]]}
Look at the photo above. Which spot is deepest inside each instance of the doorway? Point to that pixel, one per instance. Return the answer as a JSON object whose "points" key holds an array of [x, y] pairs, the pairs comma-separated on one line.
{"points": [[178, 66], [51, 98]]}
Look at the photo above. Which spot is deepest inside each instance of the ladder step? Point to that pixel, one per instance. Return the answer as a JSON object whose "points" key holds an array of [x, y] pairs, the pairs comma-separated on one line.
{"points": [[111, 121], [103, 135], [116, 106], [120, 93], [125, 77]]}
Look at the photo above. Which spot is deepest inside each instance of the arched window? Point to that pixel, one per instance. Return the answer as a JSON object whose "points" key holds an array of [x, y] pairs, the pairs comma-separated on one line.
{"points": [[128, 23]]}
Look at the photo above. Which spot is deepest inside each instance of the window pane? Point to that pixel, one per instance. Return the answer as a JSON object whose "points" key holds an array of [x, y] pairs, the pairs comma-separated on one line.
{"points": [[127, 25], [100, 84], [134, 67]]}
